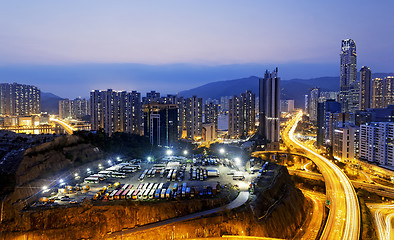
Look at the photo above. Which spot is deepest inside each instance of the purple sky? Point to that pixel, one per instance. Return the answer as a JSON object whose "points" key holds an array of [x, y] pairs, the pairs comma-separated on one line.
{"points": [[202, 33]]}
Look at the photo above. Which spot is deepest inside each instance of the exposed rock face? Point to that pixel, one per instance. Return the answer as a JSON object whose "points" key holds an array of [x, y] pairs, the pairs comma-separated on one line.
{"points": [[286, 205], [277, 210], [40, 162], [93, 222]]}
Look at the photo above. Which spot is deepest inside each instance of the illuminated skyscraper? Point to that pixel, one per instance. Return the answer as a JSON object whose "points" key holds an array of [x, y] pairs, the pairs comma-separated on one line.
{"points": [[211, 113], [348, 76], [151, 97], [161, 123], [76, 108], [313, 100], [115, 111], [388, 91], [365, 88], [193, 117], [377, 93], [269, 107], [241, 121], [19, 99]]}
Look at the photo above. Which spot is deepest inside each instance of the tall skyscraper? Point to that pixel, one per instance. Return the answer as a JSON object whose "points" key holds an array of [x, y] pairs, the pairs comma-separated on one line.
{"points": [[313, 101], [323, 111], [76, 108], [377, 93], [116, 111], [211, 113], [151, 97], [365, 88], [19, 99], [161, 123], [193, 117], [287, 106], [388, 91], [376, 142], [269, 107], [346, 142], [306, 103], [348, 76], [241, 121]]}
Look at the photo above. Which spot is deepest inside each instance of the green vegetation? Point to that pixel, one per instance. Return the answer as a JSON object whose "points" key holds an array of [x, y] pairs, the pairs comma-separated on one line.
{"points": [[119, 143], [315, 185], [368, 230]]}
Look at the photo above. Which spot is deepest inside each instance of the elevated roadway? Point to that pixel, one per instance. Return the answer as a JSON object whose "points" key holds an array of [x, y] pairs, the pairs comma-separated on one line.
{"points": [[384, 215], [343, 221], [67, 127]]}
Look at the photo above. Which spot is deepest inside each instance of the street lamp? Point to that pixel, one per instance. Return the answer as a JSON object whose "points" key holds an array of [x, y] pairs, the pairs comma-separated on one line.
{"points": [[149, 158], [222, 151], [109, 162], [237, 161], [185, 152], [169, 152]]}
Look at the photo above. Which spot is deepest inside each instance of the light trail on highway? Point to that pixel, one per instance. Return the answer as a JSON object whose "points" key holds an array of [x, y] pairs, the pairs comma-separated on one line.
{"points": [[383, 217], [344, 217], [69, 129]]}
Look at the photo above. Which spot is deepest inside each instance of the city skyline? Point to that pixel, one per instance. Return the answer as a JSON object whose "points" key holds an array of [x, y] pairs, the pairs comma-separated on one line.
{"points": [[182, 46], [140, 159]]}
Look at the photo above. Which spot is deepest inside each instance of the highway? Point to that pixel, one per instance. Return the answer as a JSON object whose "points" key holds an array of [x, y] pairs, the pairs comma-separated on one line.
{"points": [[384, 215], [375, 188], [242, 198], [69, 129], [310, 230], [343, 221]]}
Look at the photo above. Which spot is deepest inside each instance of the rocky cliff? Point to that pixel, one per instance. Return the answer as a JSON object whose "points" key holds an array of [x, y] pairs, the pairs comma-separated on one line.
{"points": [[93, 222], [40, 164], [277, 210]]}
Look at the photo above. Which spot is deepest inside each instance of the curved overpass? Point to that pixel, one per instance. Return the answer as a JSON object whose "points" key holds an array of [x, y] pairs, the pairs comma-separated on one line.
{"points": [[69, 129], [344, 217]]}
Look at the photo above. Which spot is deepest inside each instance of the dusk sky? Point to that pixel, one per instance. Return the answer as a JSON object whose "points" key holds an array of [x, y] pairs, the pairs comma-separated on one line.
{"points": [[71, 47]]}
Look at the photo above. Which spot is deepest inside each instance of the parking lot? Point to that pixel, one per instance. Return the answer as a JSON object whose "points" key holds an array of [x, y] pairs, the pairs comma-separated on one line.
{"points": [[133, 179]]}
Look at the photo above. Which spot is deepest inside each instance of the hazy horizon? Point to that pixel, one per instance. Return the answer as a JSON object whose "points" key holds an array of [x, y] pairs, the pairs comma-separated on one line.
{"points": [[69, 48]]}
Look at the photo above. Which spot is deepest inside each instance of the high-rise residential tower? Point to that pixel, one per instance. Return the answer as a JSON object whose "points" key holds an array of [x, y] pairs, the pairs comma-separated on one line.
{"points": [[193, 117], [388, 91], [377, 93], [76, 108], [211, 113], [115, 111], [241, 121], [19, 99], [348, 76], [151, 97], [269, 107], [161, 123], [313, 101], [365, 88]]}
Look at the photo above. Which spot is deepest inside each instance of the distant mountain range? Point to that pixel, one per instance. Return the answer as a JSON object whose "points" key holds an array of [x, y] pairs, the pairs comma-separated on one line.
{"points": [[50, 103], [290, 89]]}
